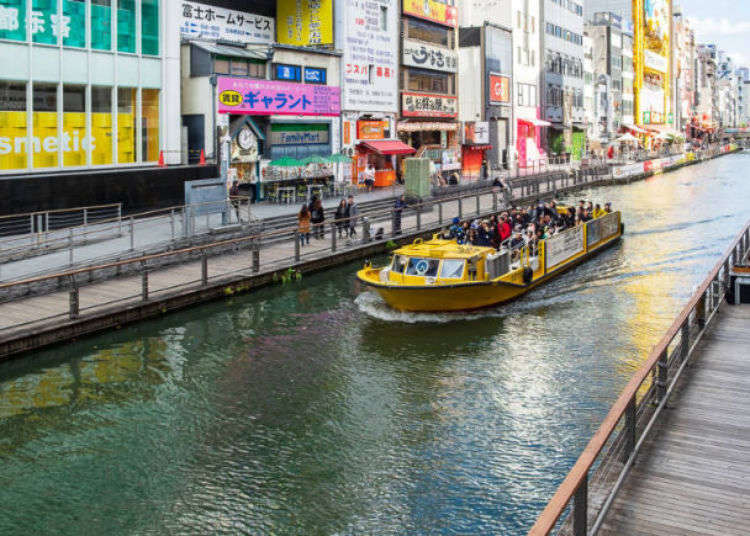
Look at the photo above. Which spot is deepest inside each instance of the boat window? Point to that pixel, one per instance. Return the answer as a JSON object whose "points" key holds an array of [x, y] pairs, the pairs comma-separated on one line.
{"points": [[399, 263], [452, 269], [425, 267]]}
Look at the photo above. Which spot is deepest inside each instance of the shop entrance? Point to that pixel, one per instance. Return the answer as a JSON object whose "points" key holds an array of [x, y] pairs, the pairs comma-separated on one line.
{"points": [[196, 138]]}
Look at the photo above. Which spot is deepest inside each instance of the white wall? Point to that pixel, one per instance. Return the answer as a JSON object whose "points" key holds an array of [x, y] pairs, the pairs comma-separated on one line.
{"points": [[171, 122], [470, 83]]}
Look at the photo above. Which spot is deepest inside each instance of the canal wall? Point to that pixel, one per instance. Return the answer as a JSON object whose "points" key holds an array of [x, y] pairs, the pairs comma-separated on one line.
{"points": [[116, 313]]}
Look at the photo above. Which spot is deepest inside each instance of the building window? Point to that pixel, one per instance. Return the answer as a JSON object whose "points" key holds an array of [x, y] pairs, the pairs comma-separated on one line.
{"points": [[101, 125], [74, 138], [150, 125], [150, 27], [45, 126], [428, 81], [384, 18], [126, 26], [126, 125], [429, 33], [13, 140], [42, 23], [101, 20]]}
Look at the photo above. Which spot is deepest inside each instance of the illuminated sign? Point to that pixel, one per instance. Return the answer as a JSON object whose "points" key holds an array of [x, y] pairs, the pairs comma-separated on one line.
{"points": [[432, 10], [499, 89]]}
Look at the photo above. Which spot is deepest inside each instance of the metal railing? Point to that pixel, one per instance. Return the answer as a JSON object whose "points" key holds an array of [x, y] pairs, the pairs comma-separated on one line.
{"points": [[34, 227], [590, 487]]}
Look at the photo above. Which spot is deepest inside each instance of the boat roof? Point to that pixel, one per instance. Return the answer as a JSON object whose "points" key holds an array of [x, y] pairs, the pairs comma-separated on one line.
{"points": [[443, 249]]}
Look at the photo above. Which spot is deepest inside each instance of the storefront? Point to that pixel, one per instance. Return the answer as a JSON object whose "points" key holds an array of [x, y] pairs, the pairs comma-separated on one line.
{"points": [[476, 138], [528, 141], [375, 154]]}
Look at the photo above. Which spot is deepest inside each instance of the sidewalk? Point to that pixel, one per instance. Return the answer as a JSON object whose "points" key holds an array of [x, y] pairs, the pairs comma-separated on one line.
{"points": [[152, 232]]}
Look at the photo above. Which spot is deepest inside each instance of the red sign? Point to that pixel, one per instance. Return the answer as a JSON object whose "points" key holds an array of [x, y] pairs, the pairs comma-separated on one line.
{"points": [[371, 130], [499, 89]]}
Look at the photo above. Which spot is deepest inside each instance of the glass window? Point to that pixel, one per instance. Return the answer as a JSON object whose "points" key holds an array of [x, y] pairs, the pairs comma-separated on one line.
{"points": [[429, 33], [150, 27], [14, 18], [101, 24], [45, 141], [126, 26], [13, 133], [125, 125], [150, 124], [425, 267], [257, 70], [238, 67], [452, 269], [73, 24], [221, 66], [42, 25], [399, 263], [101, 125], [384, 18], [74, 141], [429, 81]]}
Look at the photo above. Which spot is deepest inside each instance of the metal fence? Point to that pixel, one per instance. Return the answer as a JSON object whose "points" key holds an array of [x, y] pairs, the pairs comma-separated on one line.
{"points": [[590, 487]]}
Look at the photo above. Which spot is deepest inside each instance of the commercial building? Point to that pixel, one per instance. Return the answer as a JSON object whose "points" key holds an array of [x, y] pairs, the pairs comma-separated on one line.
{"points": [[563, 75], [652, 56], [628, 78], [428, 83], [605, 31]]}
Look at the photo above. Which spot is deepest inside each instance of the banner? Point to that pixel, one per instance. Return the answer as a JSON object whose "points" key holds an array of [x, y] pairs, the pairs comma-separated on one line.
{"points": [[432, 10], [270, 97], [630, 170], [417, 54], [305, 22], [426, 105], [370, 61], [602, 228], [219, 24], [499, 89], [563, 246]]}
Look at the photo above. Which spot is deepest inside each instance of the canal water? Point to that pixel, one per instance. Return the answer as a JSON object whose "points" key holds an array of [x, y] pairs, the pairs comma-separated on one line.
{"points": [[310, 408]]}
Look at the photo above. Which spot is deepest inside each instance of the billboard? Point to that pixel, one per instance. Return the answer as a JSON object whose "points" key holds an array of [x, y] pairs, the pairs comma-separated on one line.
{"points": [[433, 11], [417, 54], [200, 21], [656, 16], [651, 59], [304, 22], [370, 54], [269, 97], [499, 89], [428, 105]]}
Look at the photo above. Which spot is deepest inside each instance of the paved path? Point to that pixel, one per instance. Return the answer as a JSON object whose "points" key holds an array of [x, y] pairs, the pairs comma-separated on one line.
{"points": [[693, 475]]}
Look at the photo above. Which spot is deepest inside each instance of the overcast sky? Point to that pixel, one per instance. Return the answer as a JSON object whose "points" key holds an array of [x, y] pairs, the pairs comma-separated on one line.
{"points": [[724, 22]]}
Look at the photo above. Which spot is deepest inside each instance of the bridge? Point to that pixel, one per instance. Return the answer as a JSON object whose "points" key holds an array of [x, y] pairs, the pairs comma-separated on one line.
{"points": [[672, 457]]}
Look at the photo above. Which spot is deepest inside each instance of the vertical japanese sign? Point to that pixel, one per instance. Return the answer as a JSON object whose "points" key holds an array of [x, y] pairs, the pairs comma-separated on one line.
{"points": [[200, 20], [270, 97], [305, 22], [370, 43]]}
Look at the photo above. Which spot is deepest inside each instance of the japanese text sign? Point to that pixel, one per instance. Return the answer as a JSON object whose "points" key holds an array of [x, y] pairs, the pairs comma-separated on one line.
{"points": [[432, 10], [200, 20], [416, 54], [499, 89], [305, 22], [424, 105], [270, 97]]}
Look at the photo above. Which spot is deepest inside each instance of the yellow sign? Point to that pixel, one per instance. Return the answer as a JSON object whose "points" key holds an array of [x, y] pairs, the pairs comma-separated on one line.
{"points": [[432, 10], [304, 22], [230, 98], [651, 58]]}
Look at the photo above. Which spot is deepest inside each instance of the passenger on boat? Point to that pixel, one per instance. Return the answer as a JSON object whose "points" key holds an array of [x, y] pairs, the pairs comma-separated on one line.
{"points": [[457, 231], [598, 211]]}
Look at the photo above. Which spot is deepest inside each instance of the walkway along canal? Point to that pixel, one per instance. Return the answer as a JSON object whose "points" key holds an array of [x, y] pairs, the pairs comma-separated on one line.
{"points": [[309, 408], [58, 307]]}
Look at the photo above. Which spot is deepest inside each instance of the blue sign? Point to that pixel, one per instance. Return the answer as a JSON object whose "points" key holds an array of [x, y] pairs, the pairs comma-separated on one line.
{"points": [[315, 76], [293, 73]]}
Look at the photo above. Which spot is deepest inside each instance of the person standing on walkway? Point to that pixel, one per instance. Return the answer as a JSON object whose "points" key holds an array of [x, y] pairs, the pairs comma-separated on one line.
{"points": [[352, 212], [234, 198], [398, 209], [303, 225], [317, 216], [342, 216]]}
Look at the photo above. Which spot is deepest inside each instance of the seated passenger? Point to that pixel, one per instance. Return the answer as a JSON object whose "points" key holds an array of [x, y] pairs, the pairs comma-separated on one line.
{"points": [[598, 211]]}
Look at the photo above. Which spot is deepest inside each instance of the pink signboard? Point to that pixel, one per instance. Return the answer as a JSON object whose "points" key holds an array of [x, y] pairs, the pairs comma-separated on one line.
{"points": [[270, 97]]}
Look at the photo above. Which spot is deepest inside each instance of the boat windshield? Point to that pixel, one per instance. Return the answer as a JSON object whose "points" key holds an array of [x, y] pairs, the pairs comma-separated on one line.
{"points": [[452, 269], [398, 264], [423, 267]]}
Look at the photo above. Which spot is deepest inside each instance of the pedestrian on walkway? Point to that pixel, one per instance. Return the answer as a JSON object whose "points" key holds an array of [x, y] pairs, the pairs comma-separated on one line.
{"points": [[398, 209], [303, 225], [317, 216], [352, 210], [342, 215], [234, 198]]}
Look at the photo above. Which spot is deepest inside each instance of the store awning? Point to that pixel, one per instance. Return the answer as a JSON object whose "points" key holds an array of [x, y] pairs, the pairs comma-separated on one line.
{"points": [[387, 147], [418, 126], [536, 122], [261, 52]]}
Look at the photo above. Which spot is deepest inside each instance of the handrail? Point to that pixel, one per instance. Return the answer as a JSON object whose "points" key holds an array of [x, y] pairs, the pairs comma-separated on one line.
{"points": [[578, 475], [57, 210]]}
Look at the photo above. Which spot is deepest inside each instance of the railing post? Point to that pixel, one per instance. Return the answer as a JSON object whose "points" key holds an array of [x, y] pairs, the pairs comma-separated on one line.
{"points": [[333, 237], [31, 224], [204, 269], [394, 229], [419, 219], [494, 201], [171, 222], [580, 507], [144, 282], [629, 430], [256, 258], [479, 209], [701, 308], [726, 275], [460, 208], [70, 246], [365, 230], [440, 213], [74, 304], [132, 234], [297, 238], [662, 374], [685, 339]]}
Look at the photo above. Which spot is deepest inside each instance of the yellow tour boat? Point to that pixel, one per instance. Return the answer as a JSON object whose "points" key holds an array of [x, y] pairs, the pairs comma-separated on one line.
{"points": [[441, 275]]}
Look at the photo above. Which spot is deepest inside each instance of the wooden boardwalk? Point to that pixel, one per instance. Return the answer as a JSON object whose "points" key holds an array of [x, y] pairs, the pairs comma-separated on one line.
{"points": [[693, 475]]}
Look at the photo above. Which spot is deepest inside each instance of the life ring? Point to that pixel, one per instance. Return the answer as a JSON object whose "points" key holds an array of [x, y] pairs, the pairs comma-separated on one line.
{"points": [[528, 274], [421, 267]]}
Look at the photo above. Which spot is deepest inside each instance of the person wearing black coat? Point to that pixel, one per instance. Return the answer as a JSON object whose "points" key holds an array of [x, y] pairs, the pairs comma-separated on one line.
{"points": [[342, 216], [398, 208], [317, 217]]}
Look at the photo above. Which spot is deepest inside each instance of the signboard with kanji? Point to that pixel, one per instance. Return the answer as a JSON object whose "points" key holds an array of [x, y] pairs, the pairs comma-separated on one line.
{"points": [[305, 23], [270, 97], [209, 22], [427, 105], [417, 54]]}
